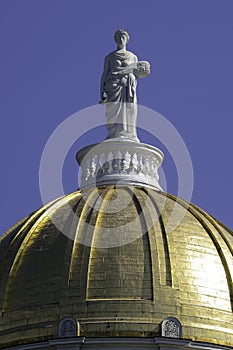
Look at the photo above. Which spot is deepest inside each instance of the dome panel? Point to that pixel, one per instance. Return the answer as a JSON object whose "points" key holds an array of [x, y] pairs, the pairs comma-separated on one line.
{"points": [[120, 273]]}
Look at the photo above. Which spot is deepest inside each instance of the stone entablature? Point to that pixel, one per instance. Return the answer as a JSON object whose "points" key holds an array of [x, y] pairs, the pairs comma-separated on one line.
{"points": [[82, 343]]}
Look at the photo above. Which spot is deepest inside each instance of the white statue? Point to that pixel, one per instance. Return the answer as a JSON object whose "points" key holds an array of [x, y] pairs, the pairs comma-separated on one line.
{"points": [[118, 88]]}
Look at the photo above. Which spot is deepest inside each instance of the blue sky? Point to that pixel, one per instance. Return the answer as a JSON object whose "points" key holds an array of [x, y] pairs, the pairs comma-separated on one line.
{"points": [[51, 61]]}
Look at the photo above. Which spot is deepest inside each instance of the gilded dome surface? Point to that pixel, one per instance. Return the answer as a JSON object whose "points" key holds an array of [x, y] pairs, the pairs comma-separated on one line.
{"points": [[114, 259]]}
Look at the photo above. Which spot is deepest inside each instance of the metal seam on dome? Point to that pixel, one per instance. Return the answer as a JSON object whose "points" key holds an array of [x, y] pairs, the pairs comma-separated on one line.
{"points": [[212, 220], [207, 216], [165, 242], [5, 249], [39, 211], [65, 268], [142, 217], [188, 207], [80, 221], [15, 226], [107, 192], [62, 229], [223, 259], [15, 264], [30, 222]]}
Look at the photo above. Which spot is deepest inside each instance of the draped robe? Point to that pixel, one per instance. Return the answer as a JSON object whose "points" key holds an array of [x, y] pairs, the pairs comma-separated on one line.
{"points": [[119, 84]]}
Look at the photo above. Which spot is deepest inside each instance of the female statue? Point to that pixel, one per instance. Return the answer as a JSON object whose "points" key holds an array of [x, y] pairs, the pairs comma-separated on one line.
{"points": [[118, 88]]}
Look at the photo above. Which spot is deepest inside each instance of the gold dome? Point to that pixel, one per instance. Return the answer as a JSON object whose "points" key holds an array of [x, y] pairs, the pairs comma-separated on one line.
{"points": [[120, 269]]}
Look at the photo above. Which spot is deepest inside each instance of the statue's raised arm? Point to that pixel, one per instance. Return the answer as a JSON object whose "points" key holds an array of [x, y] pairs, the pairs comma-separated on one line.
{"points": [[118, 88]]}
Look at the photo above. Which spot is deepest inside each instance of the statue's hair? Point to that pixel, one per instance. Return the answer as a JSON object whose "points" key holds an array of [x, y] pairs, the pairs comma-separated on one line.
{"points": [[120, 32]]}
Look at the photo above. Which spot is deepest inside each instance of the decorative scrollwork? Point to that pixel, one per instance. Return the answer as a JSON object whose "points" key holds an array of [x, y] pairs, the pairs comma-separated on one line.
{"points": [[67, 328], [171, 328]]}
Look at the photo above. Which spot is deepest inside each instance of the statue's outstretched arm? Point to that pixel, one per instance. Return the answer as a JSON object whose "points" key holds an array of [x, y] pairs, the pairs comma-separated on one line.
{"points": [[103, 94]]}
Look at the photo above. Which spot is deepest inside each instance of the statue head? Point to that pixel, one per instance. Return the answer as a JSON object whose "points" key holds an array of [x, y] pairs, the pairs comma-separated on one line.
{"points": [[121, 37]]}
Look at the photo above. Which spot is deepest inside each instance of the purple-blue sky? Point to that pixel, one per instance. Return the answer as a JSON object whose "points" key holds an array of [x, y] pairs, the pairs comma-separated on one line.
{"points": [[51, 61]]}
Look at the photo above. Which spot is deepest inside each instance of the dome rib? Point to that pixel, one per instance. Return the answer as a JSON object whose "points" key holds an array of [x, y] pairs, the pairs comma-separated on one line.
{"points": [[82, 236], [101, 209], [70, 227], [229, 246], [7, 238], [16, 246], [165, 241], [146, 239], [146, 209], [216, 243], [105, 195], [213, 222]]}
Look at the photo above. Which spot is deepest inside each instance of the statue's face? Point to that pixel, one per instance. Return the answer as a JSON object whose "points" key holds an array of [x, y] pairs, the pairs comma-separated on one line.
{"points": [[122, 40]]}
